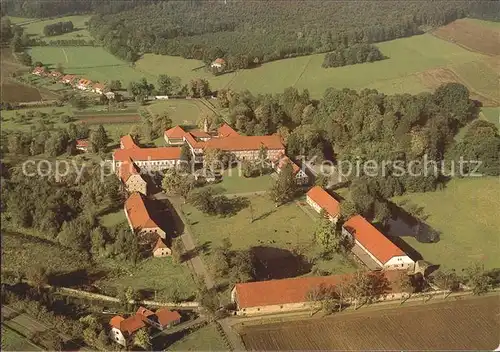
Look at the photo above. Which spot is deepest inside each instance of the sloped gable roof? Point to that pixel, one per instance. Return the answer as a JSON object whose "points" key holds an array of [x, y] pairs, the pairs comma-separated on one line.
{"points": [[372, 239], [138, 213], [321, 197]]}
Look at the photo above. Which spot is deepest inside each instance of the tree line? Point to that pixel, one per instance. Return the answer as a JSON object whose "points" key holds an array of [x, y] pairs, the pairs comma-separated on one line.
{"points": [[58, 28], [254, 32], [355, 54]]}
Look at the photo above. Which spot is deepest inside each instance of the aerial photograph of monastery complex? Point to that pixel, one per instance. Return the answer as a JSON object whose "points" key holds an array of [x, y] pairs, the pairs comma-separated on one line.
{"points": [[261, 175]]}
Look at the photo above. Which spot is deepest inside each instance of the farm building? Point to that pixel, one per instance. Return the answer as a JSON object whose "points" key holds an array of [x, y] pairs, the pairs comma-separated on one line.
{"points": [[39, 71], [84, 84], [123, 329], [82, 145], [226, 131], [218, 63], [320, 199], [373, 248], [273, 296], [139, 217], [56, 74], [300, 176], [110, 95], [131, 177], [161, 249], [174, 135], [68, 79]]}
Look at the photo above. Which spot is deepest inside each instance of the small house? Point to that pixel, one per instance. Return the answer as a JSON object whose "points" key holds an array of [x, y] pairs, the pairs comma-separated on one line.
{"points": [[301, 177], [56, 74], [218, 63], [98, 88], [131, 177], [82, 145], [123, 329], [39, 71], [84, 84], [68, 79], [161, 249]]}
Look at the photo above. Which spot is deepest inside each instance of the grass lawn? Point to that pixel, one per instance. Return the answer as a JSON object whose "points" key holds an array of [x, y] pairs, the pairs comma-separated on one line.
{"points": [[35, 28], [113, 219], [93, 63], [182, 111], [152, 274], [233, 182], [277, 231], [397, 74], [205, 339], [12, 341], [466, 215], [492, 115]]}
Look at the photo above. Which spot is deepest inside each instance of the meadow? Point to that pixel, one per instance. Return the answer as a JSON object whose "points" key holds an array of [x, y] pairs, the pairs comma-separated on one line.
{"points": [[402, 328], [464, 213], [183, 112], [93, 63], [492, 115], [397, 74], [273, 235], [35, 28]]}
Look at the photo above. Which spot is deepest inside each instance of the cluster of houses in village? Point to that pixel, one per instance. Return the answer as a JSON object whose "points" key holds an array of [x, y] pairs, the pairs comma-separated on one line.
{"points": [[123, 329], [76, 82]]}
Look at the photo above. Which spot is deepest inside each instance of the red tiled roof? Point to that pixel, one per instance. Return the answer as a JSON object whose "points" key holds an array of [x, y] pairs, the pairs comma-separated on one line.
{"points": [[82, 143], [116, 321], [175, 132], [39, 69], [372, 239], [84, 82], [200, 134], [127, 169], [321, 197], [226, 131], [275, 292], [144, 312], [159, 244], [138, 213], [99, 86], [128, 325], [220, 61], [163, 153], [237, 143], [127, 142], [68, 78], [132, 324], [166, 316]]}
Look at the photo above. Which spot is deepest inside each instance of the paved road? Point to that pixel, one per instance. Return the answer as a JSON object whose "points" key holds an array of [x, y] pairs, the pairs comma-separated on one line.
{"points": [[188, 241]]}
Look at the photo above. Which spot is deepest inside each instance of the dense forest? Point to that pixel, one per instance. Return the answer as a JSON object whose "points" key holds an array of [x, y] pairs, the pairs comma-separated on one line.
{"points": [[264, 31], [355, 54]]}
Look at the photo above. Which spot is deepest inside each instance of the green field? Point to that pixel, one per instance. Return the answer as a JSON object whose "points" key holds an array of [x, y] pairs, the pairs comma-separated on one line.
{"points": [[492, 115], [465, 213], [205, 339], [35, 28], [480, 77], [287, 227], [152, 274], [93, 63], [12, 341], [183, 112], [234, 182], [407, 57]]}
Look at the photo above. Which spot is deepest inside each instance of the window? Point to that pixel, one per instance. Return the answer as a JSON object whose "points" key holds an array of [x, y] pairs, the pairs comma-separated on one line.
{"points": [[117, 332], [117, 338]]}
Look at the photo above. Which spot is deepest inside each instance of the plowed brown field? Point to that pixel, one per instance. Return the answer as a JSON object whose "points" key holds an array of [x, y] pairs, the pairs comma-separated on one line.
{"points": [[471, 36], [465, 324]]}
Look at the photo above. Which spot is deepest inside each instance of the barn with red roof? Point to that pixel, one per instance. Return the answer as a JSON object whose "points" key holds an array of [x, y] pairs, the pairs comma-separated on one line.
{"points": [[319, 200]]}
